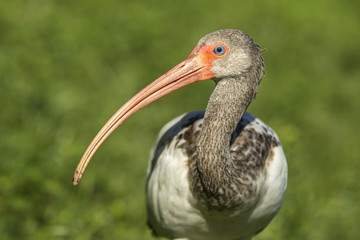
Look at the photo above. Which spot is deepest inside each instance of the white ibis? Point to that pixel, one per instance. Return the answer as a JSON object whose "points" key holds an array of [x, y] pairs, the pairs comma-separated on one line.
{"points": [[214, 174]]}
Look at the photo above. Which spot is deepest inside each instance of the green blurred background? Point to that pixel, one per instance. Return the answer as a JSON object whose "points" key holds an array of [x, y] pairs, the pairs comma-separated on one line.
{"points": [[67, 66]]}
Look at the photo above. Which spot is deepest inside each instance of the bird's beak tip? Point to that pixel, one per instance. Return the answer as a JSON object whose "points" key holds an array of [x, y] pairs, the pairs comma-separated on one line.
{"points": [[75, 182]]}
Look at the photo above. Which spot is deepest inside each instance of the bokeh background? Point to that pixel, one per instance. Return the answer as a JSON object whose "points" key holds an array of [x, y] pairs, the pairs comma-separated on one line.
{"points": [[67, 66]]}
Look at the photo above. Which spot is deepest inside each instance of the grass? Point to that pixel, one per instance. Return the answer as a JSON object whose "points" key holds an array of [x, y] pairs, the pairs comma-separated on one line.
{"points": [[66, 66]]}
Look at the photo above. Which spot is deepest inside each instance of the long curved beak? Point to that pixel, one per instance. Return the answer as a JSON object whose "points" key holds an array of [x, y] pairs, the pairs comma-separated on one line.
{"points": [[190, 70]]}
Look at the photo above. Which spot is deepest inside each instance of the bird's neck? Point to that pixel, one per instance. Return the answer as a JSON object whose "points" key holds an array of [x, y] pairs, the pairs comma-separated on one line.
{"points": [[214, 163], [225, 108]]}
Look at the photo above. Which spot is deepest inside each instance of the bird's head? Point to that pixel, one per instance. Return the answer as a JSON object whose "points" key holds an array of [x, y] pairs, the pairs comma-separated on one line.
{"points": [[228, 53], [219, 55]]}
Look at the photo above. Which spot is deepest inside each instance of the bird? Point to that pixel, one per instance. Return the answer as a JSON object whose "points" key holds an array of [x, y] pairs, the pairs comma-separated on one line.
{"points": [[214, 174]]}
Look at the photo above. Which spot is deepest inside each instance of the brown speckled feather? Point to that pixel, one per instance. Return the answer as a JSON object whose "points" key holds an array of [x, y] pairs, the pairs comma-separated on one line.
{"points": [[251, 147]]}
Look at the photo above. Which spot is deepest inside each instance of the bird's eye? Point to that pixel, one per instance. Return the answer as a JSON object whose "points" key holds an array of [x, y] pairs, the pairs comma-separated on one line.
{"points": [[219, 50]]}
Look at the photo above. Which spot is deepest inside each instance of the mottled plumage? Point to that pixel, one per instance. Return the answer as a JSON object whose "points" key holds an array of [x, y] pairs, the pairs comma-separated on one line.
{"points": [[254, 148]]}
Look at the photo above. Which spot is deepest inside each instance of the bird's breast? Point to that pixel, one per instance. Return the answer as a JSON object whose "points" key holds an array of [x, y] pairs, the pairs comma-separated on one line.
{"points": [[178, 205]]}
